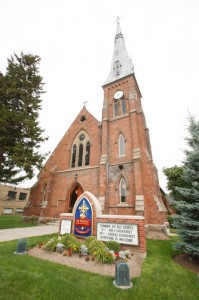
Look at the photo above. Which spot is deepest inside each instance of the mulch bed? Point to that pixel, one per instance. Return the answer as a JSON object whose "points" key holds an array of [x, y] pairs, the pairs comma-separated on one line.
{"points": [[184, 260]]}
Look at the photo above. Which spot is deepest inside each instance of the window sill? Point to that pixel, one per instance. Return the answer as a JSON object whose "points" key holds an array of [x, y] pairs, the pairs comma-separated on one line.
{"points": [[9, 200], [119, 117]]}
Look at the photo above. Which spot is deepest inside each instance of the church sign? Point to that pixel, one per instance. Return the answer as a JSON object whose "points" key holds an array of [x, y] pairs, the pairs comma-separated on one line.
{"points": [[83, 218], [65, 227], [119, 232]]}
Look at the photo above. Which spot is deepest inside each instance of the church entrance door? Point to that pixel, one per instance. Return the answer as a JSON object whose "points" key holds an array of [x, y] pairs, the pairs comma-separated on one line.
{"points": [[75, 193]]}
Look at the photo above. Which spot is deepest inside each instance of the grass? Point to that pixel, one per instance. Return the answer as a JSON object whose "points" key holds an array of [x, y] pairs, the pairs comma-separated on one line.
{"points": [[14, 221], [173, 230], [26, 277]]}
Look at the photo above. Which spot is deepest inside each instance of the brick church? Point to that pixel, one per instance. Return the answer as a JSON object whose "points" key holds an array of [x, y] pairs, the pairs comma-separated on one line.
{"points": [[111, 159]]}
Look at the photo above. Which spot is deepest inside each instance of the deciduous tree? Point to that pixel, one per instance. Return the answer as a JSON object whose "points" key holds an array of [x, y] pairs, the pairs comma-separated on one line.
{"points": [[175, 179]]}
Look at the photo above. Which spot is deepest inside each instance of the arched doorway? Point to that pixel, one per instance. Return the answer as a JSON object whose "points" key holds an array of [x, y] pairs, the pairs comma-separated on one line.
{"points": [[76, 191]]}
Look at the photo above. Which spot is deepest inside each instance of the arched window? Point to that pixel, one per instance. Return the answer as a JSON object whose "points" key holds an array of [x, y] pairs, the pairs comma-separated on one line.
{"points": [[123, 106], [44, 193], [121, 145], [87, 156], [80, 150], [119, 104], [80, 155], [122, 189], [116, 108], [73, 156]]}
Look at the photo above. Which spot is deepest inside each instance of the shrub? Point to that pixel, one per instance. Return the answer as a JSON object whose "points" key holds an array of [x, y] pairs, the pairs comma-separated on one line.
{"points": [[112, 245], [26, 219], [68, 240], [170, 220], [89, 240], [98, 249], [94, 245], [43, 221], [30, 219], [77, 246], [51, 245], [101, 254], [109, 258], [34, 219]]}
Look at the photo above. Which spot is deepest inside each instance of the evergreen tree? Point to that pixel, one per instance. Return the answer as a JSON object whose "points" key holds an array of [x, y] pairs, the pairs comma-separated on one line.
{"points": [[187, 217], [20, 134]]}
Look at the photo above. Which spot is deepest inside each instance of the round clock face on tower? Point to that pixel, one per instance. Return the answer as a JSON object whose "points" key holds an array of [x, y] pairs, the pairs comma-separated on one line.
{"points": [[118, 95]]}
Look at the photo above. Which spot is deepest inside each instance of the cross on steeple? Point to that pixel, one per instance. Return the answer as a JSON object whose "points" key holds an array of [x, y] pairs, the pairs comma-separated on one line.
{"points": [[118, 19]]}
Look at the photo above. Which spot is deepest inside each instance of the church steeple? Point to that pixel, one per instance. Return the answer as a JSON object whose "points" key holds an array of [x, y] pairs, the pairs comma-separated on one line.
{"points": [[121, 64]]}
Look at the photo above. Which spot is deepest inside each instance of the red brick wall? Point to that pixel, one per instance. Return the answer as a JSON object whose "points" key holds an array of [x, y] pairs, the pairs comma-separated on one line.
{"points": [[140, 173], [60, 177], [102, 177]]}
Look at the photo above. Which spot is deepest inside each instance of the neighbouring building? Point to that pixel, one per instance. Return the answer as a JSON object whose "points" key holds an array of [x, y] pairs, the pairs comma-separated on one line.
{"points": [[13, 199], [111, 158]]}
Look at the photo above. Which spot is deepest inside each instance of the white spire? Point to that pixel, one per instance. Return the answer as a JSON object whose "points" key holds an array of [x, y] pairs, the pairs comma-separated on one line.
{"points": [[118, 31], [121, 64]]}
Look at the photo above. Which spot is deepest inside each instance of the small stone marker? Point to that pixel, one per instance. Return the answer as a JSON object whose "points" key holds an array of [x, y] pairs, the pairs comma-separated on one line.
{"points": [[22, 246], [122, 275]]}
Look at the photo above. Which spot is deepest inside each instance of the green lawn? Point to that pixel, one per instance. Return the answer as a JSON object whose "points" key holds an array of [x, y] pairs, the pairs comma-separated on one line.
{"points": [[14, 222], [26, 277]]}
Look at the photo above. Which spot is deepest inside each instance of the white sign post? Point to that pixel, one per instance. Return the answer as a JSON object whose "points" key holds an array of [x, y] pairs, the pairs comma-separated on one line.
{"points": [[65, 227], [119, 232]]}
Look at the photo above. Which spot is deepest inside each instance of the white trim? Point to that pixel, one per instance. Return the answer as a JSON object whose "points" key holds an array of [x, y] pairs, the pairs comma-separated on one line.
{"points": [[126, 217], [66, 214]]}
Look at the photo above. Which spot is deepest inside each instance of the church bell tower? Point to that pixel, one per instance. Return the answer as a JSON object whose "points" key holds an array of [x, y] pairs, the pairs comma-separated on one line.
{"points": [[128, 177]]}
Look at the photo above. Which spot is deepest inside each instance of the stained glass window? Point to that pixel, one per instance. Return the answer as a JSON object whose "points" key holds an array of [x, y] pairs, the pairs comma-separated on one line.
{"points": [[122, 190], [87, 156], [116, 108], [80, 159], [123, 107], [73, 156]]}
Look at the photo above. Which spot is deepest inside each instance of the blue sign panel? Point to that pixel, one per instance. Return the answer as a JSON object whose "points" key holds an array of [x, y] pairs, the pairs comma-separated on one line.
{"points": [[83, 218]]}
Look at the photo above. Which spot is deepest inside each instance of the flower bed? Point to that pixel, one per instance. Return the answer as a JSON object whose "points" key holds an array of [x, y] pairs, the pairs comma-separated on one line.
{"points": [[90, 249]]}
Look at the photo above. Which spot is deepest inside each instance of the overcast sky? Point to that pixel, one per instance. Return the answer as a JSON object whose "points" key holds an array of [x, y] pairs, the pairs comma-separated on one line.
{"points": [[75, 41]]}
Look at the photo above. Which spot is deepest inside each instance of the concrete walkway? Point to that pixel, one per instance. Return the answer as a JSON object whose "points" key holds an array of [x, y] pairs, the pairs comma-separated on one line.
{"points": [[17, 233]]}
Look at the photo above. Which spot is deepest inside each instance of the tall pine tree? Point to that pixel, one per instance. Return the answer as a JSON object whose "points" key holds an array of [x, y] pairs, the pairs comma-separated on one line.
{"points": [[187, 217], [20, 102]]}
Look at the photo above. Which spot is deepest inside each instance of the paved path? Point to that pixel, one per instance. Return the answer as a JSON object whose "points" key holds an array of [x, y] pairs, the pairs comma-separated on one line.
{"points": [[17, 233]]}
